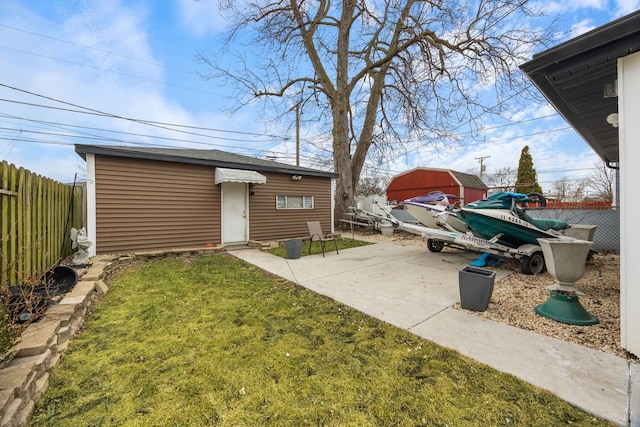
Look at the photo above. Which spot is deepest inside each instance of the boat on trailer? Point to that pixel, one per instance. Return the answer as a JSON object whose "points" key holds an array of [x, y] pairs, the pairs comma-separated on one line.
{"points": [[529, 253], [503, 216], [436, 211]]}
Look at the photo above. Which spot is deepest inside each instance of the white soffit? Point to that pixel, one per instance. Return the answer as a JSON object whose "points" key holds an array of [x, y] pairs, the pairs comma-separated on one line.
{"points": [[239, 175]]}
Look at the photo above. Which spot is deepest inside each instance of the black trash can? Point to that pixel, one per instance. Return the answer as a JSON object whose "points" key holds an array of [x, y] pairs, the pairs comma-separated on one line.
{"points": [[294, 248], [476, 287]]}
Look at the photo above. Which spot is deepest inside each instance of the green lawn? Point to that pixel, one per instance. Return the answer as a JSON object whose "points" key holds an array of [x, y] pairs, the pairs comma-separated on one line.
{"points": [[316, 248], [211, 340]]}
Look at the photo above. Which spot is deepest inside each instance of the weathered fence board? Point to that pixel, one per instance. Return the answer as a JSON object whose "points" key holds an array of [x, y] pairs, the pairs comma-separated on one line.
{"points": [[37, 216]]}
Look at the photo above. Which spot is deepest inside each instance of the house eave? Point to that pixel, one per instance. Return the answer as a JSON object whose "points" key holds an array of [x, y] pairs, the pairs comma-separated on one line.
{"points": [[250, 164], [573, 74]]}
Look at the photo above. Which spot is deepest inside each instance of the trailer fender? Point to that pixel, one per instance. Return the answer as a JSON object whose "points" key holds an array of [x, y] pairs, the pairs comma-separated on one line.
{"points": [[529, 249]]}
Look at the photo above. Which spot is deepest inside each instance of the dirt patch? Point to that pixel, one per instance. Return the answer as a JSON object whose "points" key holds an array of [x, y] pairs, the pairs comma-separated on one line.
{"points": [[515, 296]]}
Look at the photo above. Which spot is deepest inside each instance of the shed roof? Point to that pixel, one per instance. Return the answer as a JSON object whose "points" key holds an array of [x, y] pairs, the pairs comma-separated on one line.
{"points": [[215, 158], [572, 76], [465, 179], [469, 180]]}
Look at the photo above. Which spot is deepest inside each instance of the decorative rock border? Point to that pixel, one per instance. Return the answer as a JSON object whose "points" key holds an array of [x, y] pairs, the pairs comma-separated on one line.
{"points": [[42, 344]]}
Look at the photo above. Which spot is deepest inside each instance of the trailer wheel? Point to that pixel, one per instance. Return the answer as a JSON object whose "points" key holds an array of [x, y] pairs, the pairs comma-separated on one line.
{"points": [[533, 264], [435, 245]]}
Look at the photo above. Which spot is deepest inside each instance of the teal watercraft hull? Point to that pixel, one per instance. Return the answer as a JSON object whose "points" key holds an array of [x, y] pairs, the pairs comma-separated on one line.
{"points": [[514, 232]]}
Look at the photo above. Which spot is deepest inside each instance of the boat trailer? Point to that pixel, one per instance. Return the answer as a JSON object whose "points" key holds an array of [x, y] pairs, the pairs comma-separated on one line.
{"points": [[530, 256]]}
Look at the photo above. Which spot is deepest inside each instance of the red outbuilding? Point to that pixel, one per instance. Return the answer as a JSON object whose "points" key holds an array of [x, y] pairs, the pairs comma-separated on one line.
{"points": [[420, 181]]}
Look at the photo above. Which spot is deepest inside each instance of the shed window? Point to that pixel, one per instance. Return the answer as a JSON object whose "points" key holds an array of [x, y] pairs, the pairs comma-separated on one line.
{"points": [[294, 202]]}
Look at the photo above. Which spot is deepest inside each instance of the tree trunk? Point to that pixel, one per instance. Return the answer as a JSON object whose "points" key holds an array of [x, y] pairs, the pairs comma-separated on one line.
{"points": [[342, 162], [340, 111]]}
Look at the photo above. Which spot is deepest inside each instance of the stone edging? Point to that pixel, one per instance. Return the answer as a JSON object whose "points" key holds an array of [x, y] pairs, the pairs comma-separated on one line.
{"points": [[42, 344]]}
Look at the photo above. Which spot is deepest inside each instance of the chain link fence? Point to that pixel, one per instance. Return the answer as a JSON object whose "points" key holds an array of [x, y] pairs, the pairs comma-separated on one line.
{"points": [[607, 220]]}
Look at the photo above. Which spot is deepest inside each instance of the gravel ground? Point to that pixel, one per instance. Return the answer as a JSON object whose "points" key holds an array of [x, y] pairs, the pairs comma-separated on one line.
{"points": [[514, 298]]}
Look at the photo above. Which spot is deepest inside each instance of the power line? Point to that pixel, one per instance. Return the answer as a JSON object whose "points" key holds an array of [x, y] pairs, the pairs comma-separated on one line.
{"points": [[138, 143], [66, 126], [172, 126], [181, 70], [167, 126], [162, 125], [109, 71], [98, 50], [278, 156]]}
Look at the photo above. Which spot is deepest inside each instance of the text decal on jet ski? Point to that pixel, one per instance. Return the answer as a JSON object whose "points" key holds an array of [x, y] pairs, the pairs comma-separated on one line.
{"points": [[515, 220], [476, 240]]}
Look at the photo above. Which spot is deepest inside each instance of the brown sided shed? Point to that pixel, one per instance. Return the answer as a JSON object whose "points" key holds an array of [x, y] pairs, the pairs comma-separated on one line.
{"points": [[420, 181], [141, 199]]}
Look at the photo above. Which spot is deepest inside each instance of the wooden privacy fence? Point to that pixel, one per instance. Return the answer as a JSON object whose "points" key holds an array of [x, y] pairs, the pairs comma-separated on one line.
{"points": [[37, 216]]}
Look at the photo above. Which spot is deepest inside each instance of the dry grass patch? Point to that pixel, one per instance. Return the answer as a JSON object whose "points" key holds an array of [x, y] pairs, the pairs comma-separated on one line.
{"points": [[212, 340]]}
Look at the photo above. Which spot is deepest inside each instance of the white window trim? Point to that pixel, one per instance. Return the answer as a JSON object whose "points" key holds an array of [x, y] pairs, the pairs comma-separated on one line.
{"points": [[296, 208]]}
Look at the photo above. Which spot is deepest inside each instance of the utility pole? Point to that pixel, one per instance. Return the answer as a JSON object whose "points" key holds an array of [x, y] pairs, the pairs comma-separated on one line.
{"points": [[482, 164]]}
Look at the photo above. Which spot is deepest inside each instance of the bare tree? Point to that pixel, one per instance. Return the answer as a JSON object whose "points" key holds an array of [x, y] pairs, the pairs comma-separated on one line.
{"points": [[601, 182], [503, 179], [579, 190], [567, 190], [378, 73], [371, 186], [561, 188]]}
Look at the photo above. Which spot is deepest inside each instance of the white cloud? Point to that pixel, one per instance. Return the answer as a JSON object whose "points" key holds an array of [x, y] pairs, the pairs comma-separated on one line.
{"points": [[624, 7], [554, 7], [116, 35], [200, 17], [586, 15], [581, 27], [98, 56], [101, 77]]}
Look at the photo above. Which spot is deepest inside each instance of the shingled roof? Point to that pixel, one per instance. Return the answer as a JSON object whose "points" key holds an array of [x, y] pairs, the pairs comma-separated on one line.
{"points": [[469, 180], [215, 158]]}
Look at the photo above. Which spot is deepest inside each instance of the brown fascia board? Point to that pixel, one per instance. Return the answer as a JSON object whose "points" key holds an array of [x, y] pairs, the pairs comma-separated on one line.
{"points": [[234, 161]]}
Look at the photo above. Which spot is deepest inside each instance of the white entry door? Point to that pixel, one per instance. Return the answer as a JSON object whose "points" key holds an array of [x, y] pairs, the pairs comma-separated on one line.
{"points": [[235, 214]]}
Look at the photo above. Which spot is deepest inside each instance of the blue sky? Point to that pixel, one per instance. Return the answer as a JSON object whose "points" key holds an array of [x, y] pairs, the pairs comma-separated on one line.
{"points": [[72, 70]]}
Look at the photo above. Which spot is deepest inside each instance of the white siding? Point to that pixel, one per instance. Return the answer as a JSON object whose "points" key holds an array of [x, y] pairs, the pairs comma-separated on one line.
{"points": [[629, 133]]}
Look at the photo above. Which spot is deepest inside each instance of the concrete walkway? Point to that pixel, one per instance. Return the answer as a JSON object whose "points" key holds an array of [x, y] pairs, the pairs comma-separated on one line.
{"points": [[414, 289]]}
